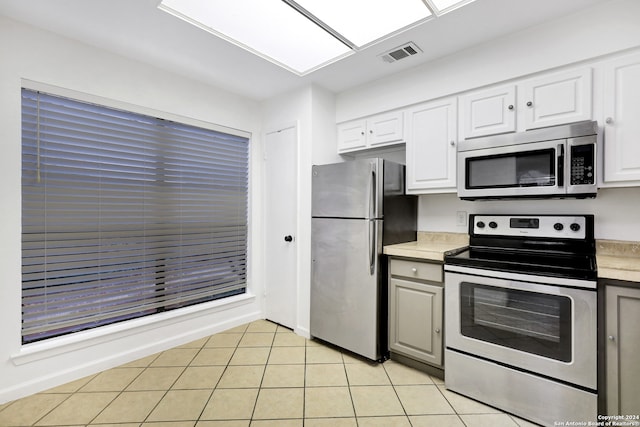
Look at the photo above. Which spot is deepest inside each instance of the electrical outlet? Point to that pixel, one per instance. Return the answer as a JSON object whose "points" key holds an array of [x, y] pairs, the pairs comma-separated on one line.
{"points": [[461, 218]]}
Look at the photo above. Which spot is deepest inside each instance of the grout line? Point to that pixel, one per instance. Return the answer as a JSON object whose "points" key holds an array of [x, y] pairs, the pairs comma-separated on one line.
{"points": [[52, 409], [395, 391], [304, 384], [120, 392], [148, 368]]}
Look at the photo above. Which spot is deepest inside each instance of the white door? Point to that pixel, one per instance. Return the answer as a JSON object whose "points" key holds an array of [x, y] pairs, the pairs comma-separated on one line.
{"points": [[351, 136], [488, 111], [621, 123], [386, 128], [558, 98], [431, 147], [280, 202]]}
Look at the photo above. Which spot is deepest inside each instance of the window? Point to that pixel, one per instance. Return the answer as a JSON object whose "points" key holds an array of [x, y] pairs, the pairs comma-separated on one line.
{"points": [[125, 215]]}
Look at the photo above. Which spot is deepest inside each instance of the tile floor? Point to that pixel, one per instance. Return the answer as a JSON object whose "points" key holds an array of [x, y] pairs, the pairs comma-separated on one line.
{"points": [[256, 375]]}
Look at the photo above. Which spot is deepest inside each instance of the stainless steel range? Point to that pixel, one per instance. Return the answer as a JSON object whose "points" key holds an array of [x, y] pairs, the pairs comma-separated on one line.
{"points": [[521, 316]]}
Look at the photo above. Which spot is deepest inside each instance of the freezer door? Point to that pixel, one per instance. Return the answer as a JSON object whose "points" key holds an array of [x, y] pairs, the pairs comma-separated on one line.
{"points": [[348, 190], [345, 285]]}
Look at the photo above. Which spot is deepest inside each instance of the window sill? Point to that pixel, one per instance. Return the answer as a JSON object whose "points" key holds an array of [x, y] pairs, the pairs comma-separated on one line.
{"points": [[68, 343]]}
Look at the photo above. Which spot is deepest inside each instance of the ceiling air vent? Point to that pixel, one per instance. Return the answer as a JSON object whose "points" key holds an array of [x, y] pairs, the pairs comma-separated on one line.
{"points": [[400, 52]]}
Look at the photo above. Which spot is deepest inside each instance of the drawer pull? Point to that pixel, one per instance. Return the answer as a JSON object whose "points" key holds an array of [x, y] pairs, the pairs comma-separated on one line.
{"points": [[415, 270]]}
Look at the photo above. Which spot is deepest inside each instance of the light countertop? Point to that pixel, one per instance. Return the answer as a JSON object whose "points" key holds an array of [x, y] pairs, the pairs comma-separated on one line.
{"points": [[618, 260], [429, 246]]}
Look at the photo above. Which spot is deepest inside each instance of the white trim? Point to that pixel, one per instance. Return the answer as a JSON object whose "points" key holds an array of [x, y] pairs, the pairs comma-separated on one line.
{"points": [[37, 351]]}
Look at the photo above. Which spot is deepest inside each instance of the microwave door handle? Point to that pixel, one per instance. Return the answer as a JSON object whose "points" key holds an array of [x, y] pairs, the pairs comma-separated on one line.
{"points": [[560, 169]]}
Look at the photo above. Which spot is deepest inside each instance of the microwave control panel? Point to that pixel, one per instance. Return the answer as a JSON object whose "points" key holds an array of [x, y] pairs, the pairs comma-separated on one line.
{"points": [[583, 164]]}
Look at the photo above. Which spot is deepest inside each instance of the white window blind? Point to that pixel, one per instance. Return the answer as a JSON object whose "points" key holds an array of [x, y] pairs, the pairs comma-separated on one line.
{"points": [[125, 215]]}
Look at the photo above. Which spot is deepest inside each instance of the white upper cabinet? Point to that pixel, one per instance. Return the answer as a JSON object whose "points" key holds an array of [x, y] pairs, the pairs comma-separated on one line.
{"points": [[557, 98], [352, 136], [376, 131], [546, 100], [431, 147], [621, 120], [488, 111]]}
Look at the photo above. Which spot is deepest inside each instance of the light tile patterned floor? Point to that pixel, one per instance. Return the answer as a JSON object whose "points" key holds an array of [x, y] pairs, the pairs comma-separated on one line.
{"points": [[256, 375]]}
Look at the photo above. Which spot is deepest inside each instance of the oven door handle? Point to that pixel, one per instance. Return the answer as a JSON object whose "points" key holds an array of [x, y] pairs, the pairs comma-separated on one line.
{"points": [[560, 168], [522, 277]]}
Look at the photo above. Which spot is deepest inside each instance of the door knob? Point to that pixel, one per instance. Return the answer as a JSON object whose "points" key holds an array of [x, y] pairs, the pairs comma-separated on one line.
{"points": [[288, 239]]}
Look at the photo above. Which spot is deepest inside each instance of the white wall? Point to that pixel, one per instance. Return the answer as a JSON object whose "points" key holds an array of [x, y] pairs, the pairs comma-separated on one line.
{"points": [[616, 211], [588, 36], [32, 54], [312, 109]]}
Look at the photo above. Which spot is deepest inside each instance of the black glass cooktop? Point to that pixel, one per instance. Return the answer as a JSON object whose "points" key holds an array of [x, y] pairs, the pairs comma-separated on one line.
{"points": [[570, 265]]}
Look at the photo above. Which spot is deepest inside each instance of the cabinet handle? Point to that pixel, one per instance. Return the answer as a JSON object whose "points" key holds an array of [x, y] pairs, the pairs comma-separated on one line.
{"points": [[362, 133], [437, 330], [415, 270], [529, 104], [609, 120], [371, 131], [612, 338], [510, 107], [452, 143]]}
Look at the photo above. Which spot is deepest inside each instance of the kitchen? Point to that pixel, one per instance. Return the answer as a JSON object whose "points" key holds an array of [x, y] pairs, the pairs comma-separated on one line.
{"points": [[590, 37]]}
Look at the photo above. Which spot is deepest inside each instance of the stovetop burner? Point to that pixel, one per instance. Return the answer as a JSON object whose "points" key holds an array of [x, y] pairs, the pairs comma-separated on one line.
{"points": [[546, 245]]}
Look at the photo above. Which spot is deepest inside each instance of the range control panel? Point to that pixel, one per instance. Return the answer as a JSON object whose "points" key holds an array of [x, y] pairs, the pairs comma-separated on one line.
{"points": [[549, 226]]}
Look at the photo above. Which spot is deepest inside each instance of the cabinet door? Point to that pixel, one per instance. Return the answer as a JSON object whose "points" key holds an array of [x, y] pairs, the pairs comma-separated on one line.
{"points": [[557, 98], [351, 136], [622, 120], [415, 325], [623, 347], [488, 112], [431, 147], [385, 128]]}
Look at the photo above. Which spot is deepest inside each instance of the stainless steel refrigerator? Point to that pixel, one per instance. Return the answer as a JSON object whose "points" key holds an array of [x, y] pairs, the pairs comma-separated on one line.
{"points": [[357, 207]]}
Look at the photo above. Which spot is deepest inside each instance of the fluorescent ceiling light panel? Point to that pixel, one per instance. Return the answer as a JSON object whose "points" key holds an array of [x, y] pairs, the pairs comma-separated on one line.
{"points": [[269, 28], [365, 21], [278, 32], [445, 4]]}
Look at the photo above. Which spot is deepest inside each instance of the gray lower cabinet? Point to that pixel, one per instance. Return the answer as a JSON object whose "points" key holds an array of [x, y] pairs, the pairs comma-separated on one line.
{"points": [[415, 310], [622, 317]]}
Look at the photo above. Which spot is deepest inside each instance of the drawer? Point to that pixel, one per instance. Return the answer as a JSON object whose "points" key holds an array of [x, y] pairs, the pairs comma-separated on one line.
{"points": [[417, 270]]}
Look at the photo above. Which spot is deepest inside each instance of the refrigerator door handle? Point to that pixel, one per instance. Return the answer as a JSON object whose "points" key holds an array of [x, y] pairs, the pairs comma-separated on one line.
{"points": [[373, 202], [372, 247]]}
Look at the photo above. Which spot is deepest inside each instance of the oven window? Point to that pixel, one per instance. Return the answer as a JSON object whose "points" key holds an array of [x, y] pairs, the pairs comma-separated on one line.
{"points": [[528, 321], [522, 169]]}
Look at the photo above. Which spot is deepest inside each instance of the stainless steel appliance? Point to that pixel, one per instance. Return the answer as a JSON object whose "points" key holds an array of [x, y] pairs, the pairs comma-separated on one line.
{"points": [[521, 316], [357, 207], [558, 161]]}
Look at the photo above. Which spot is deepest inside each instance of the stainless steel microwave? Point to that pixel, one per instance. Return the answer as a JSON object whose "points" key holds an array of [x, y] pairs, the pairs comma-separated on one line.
{"points": [[558, 161]]}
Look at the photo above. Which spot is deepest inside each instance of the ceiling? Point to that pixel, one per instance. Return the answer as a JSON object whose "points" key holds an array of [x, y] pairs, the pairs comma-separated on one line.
{"points": [[138, 29]]}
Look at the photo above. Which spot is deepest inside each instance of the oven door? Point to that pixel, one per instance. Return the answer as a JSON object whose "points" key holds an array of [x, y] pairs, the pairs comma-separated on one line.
{"points": [[544, 329], [528, 170]]}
